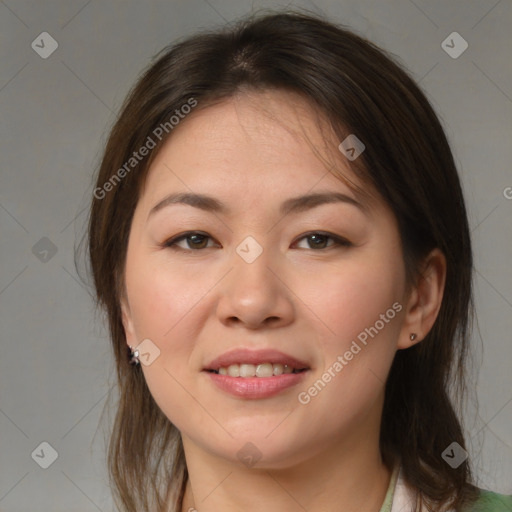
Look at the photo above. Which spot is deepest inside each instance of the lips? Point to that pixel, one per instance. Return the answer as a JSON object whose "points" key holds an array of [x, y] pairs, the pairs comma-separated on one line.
{"points": [[246, 374], [244, 358]]}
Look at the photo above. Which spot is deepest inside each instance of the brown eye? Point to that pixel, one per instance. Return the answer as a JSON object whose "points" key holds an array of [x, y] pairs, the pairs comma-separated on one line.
{"points": [[319, 240], [194, 241]]}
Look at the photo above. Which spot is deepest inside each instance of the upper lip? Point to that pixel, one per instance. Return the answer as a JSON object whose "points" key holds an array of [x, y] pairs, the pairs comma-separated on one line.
{"points": [[241, 356]]}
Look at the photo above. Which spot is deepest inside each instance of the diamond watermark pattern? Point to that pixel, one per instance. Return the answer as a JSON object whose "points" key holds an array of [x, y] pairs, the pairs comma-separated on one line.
{"points": [[44, 249], [249, 454], [249, 250], [351, 147], [45, 455], [44, 45], [148, 352], [454, 455], [454, 45]]}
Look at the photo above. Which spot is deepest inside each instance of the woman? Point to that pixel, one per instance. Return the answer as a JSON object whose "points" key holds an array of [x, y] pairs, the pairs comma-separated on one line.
{"points": [[278, 235]]}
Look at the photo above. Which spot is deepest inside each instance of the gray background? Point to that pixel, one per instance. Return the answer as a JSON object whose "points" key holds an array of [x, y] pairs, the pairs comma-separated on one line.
{"points": [[56, 369]]}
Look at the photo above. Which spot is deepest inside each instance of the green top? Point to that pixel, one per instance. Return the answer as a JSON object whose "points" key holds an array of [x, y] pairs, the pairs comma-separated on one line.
{"points": [[492, 502], [487, 502]]}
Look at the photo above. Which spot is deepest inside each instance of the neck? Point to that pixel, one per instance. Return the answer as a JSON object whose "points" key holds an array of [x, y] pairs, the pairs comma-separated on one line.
{"points": [[345, 489], [346, 475]]}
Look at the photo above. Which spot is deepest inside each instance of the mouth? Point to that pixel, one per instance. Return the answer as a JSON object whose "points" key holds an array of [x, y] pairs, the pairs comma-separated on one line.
{"points": [[261, 370], [255, 374], [264, 363]]}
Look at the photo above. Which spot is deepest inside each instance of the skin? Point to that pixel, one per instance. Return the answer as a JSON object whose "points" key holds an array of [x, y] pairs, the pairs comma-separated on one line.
{"points": [[195, 304]]}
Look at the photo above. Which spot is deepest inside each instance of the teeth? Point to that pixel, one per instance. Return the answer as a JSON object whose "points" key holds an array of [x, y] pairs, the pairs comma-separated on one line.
{"points": [[278, 369], [234, 370], [265, 370], [256, 370], [247, 370]]}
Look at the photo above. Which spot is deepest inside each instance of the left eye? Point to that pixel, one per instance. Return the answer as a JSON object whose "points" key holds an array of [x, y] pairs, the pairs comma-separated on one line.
{"points": [[197, 241], [318, 241]]}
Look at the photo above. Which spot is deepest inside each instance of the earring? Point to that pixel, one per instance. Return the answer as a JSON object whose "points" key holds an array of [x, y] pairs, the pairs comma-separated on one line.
{"points": [[412, 336], [133, 356]]}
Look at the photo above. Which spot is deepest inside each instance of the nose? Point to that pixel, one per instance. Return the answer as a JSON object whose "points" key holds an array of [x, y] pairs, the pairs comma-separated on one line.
{"points": [[255, 296]]}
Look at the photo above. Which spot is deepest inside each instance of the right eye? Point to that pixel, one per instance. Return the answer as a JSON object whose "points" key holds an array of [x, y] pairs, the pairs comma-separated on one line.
{"points": [[195, 241]]}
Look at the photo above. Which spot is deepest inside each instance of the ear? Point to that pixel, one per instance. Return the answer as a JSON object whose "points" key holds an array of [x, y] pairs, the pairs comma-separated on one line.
{"points": [[424, 300], [129, 329]]}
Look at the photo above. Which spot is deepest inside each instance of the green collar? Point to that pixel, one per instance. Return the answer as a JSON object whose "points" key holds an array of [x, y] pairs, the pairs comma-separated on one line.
{"points": [[388, 500], [487, 502]]}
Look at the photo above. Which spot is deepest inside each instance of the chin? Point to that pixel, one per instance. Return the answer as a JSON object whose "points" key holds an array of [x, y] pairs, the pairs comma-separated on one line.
{"points": [[255, 449]]}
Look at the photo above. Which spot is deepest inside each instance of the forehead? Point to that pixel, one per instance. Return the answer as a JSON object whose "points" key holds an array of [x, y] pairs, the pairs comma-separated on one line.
{"points": [[258, 141]]}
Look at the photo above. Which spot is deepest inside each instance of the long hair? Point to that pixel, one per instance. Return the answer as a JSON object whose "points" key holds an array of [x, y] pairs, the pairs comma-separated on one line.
{"points": [[358, 88]]}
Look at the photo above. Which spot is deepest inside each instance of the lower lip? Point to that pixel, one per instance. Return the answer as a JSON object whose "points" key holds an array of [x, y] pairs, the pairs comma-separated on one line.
{"points": [[256, 387]]}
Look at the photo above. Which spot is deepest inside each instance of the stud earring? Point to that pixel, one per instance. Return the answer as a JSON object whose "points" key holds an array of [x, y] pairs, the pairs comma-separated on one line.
{"points": [[412, 336], [133, 356]]}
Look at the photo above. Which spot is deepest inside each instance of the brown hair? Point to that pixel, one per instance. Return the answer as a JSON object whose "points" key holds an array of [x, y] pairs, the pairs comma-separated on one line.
{"points": [[359, 89]]}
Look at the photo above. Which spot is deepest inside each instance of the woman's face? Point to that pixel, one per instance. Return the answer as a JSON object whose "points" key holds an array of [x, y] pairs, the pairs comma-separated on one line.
{"points": [[267, 283]]}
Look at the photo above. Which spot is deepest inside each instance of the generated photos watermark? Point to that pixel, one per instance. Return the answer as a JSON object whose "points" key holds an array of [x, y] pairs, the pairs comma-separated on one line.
{"points": [[137, 156], [337, 366]]}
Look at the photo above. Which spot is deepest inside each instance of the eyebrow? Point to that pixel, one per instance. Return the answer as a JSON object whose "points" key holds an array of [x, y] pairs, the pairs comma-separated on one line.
{"points": [[292, 205]]}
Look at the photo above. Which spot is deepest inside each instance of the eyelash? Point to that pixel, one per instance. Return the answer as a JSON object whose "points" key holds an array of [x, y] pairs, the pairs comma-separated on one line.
{"points": [[171, 243]]}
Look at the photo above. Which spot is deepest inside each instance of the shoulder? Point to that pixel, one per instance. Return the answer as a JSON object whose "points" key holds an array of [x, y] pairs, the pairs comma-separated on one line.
{"points": [[491, 502], [405, 497]]}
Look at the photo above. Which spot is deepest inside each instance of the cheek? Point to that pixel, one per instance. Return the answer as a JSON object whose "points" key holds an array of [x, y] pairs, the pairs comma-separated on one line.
{"points": [[361, 310], [163, 303], [353, 298], [159, 294], [160, 301]]}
